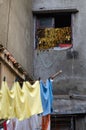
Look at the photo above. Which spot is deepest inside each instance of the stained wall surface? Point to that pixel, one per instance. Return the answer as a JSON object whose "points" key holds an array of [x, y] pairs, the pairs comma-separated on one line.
{"points": [[15, 30], [73, 77]]}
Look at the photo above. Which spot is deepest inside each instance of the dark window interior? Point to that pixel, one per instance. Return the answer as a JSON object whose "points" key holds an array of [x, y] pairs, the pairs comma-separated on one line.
{"points": [[53, 30], [63, 20], [62, 123]]}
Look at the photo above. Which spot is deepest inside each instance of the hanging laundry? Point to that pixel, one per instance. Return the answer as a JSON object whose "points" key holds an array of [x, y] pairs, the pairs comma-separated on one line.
{"points": [[21, 125], [46, 122], [4, 125], [32, 123], [32, 98], [46, 96], [19, 102], [6, 102], [10, 124]]}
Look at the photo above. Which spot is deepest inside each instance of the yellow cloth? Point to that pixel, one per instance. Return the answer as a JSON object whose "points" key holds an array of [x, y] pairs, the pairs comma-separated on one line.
{"points": [[6, 102], [32, 98], [20, 102]]}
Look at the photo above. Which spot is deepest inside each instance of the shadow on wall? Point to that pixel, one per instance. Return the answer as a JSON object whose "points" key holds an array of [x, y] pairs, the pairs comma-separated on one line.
{"points": [[65, 87], [72, 54]]}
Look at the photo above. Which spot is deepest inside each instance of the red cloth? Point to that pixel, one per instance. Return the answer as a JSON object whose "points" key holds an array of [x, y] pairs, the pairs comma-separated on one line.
{"points": [[5, 125], [45, 122]]}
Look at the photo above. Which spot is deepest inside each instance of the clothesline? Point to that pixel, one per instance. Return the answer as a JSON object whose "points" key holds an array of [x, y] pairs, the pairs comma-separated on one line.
{"points": [[24, 102], [20, 102], [33, 81], [56, 74]]}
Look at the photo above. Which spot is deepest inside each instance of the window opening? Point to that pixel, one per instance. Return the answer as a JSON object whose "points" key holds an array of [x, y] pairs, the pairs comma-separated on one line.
{"points": [[62, 123], [53, 31]]}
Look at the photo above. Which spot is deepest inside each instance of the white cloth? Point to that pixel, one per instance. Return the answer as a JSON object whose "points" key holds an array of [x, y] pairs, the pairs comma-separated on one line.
{"points": [[33, 123], [10, 124]]}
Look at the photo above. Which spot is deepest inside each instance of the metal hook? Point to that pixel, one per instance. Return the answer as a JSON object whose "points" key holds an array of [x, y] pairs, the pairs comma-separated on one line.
{"points": [[4, 79]]}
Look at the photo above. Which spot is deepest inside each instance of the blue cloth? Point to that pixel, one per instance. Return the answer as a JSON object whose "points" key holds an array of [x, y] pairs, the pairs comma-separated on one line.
{"points": [[46, 96]]}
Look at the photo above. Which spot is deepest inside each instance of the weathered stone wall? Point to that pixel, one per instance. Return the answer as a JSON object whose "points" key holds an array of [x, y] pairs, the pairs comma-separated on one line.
{"points": [[15, 30], [7, 72], [4, 10], [73, 78]]}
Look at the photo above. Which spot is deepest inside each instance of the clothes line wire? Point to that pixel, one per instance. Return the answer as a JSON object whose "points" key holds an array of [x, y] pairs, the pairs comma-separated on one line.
{"points": [[33, 81]]}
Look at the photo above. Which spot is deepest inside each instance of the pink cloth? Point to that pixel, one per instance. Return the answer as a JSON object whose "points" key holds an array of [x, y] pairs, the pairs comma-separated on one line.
{"points": [[10, 124]]}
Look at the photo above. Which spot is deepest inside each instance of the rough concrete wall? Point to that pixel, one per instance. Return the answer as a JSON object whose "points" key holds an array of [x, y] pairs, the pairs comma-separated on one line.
{"points": [[15, 30], [56, 4], [73, 78], [19, 40], [4, 10], [7, 72]]}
